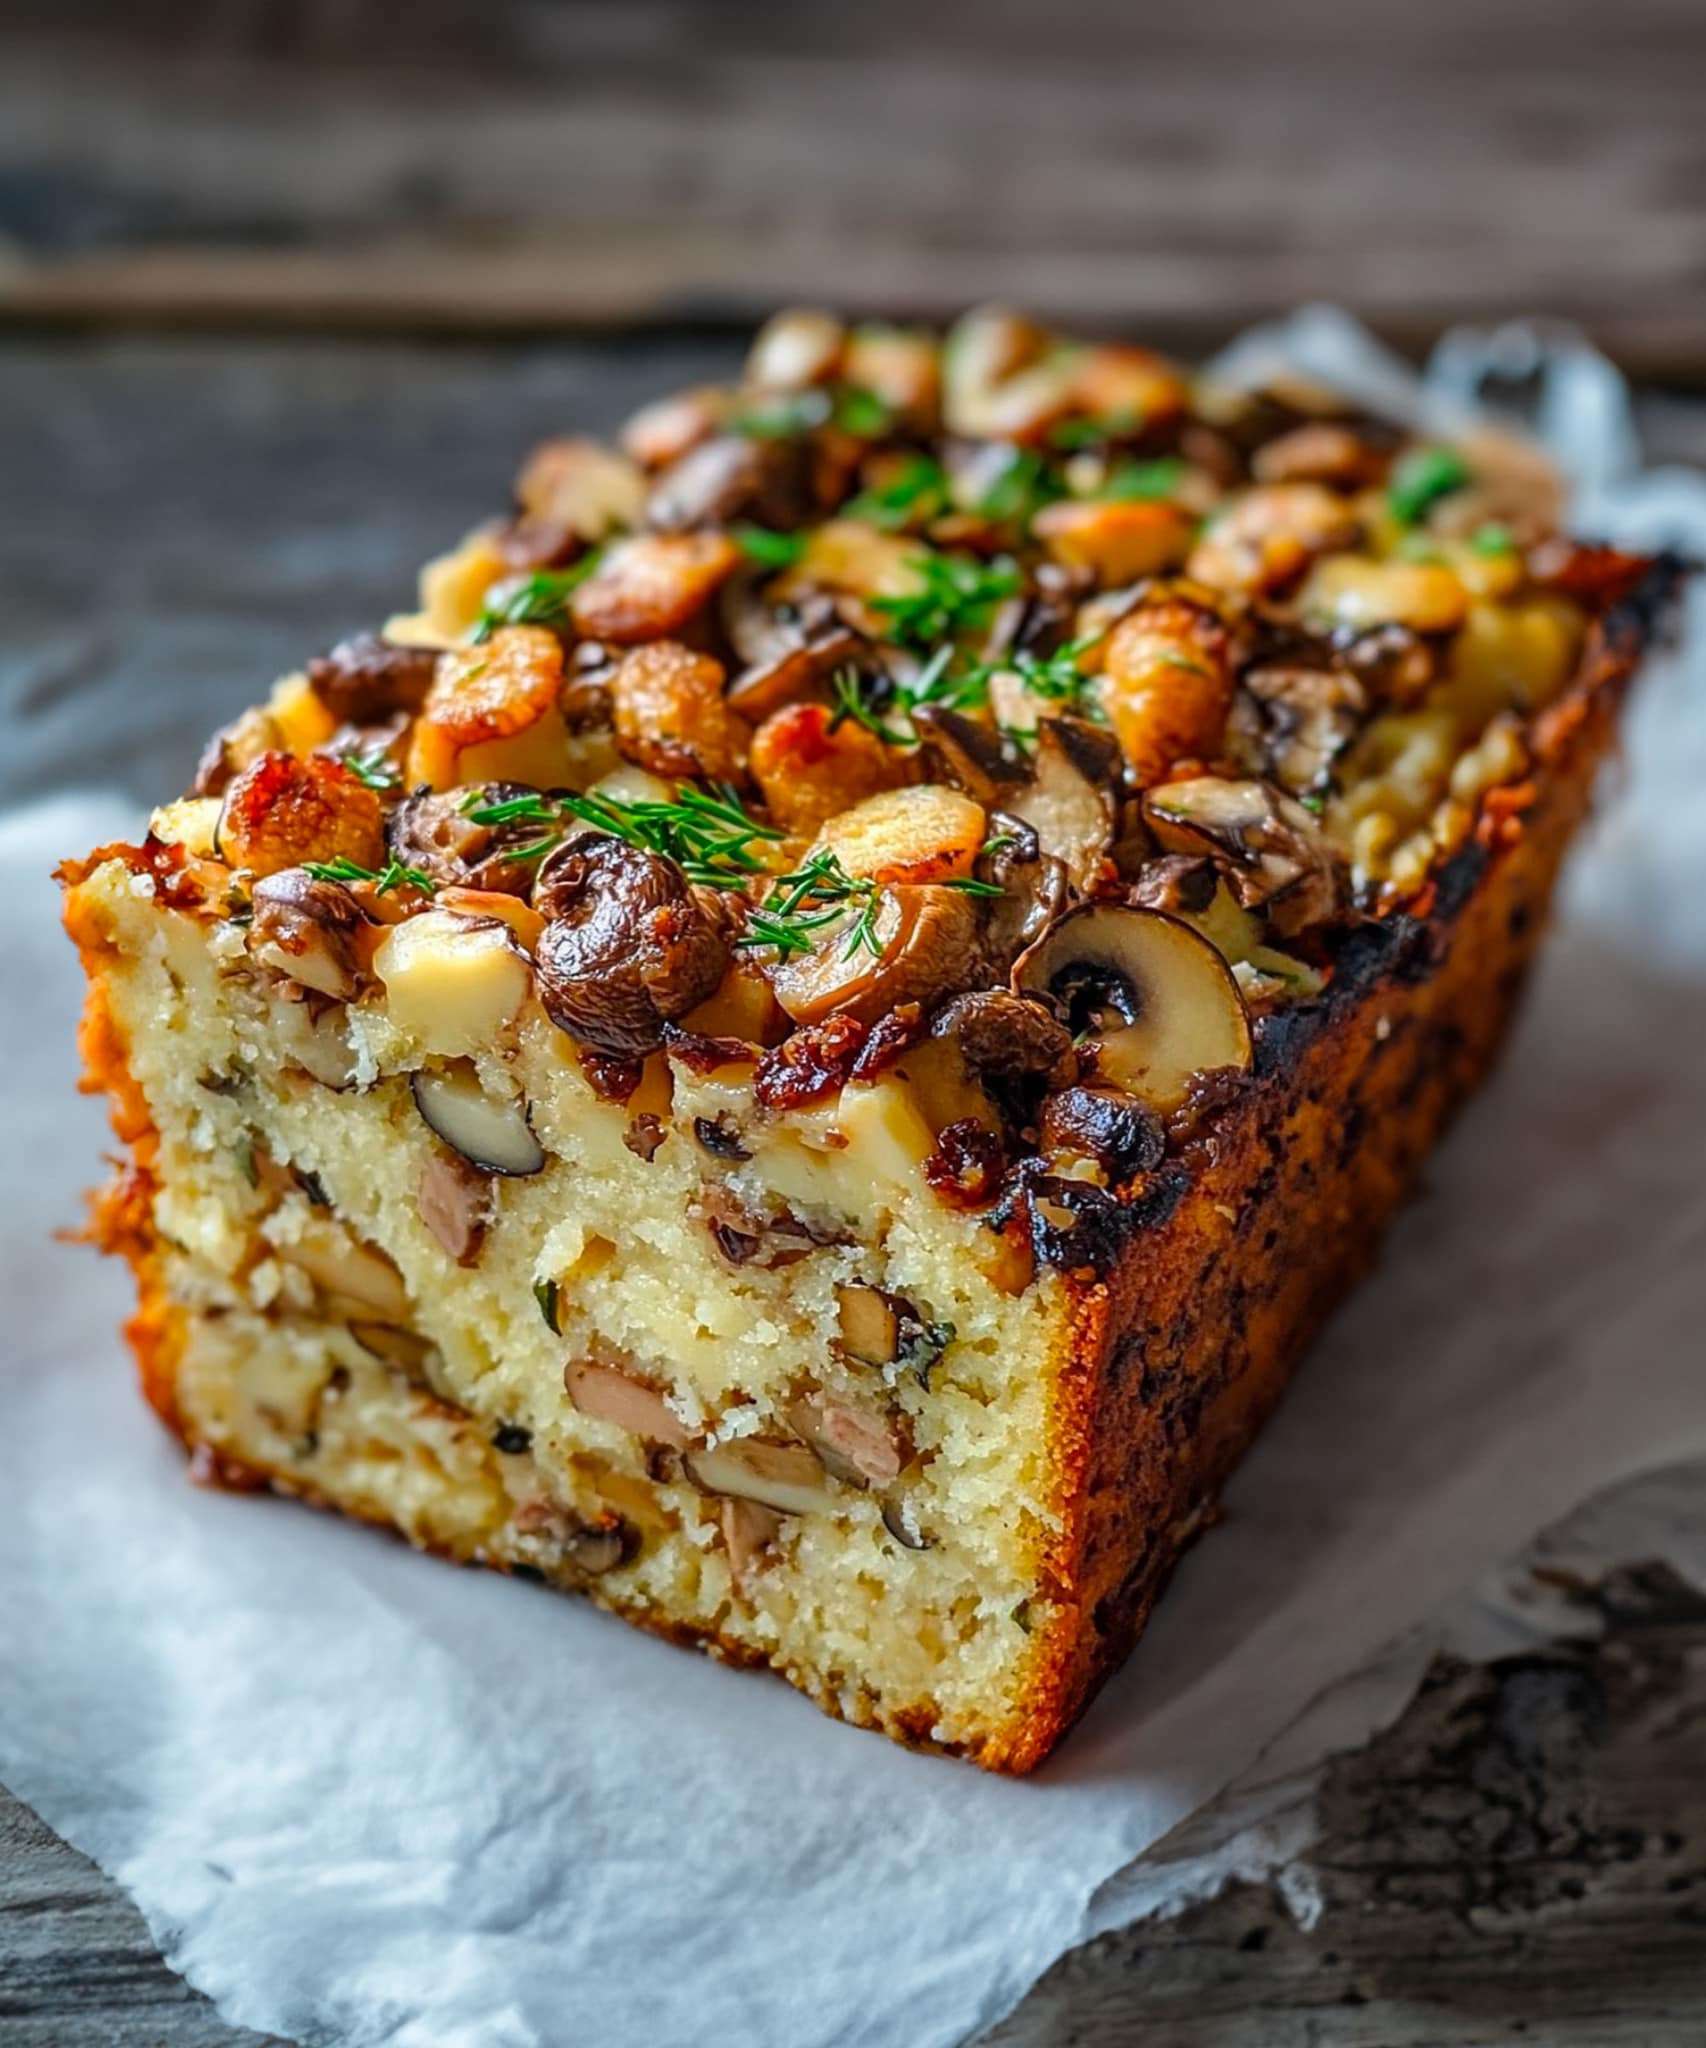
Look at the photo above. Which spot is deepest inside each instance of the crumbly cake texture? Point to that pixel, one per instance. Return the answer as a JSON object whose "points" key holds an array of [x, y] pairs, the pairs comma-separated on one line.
{"points": [[800, 1049]]}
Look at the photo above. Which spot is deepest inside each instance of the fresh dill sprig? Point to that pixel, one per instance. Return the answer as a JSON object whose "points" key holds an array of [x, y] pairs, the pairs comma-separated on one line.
{"points": [[373, 769], [709, 834], [393, 875], [956, 596], [539, 599], [820, 892], [770, 549]]}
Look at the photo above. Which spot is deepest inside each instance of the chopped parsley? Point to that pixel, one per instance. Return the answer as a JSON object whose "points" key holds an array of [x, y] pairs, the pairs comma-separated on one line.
{"points": [[773, 550], [918, 490], [1025, 485], [1421, 479], [545, 1294], [1133, 481], [1492, 539], [539, 599], [781, 418], [707, 833], [958, 594], [393, 875], [862, 412], [1096, 428]]}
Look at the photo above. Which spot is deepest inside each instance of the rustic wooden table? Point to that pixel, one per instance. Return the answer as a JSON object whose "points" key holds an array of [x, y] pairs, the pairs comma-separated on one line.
{"points": [[1524, 1854]]}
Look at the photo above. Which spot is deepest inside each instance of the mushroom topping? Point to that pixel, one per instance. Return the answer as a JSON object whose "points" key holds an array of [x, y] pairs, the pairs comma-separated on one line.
{"points": [[1308, 717], [924, 833], [910, 945], [969, 756], [788, 649], [581, 486], [433, 832], [307, 929], [1033, 887], [453, 1199], [732, 477], [671, 716], [882, 1329], [797, 347], [1069, 803], [1118, 1133], [1156, 999], [232, 748], [1276, 855], [626, 947], [367, 679], [492, 1135], [1011, 1045], [609, 1395], [748, 1531], [852, 1444], [649, 587], [1322, 452], [785, 1477], [315, 1034], [1267, 537], [1167, 686]]}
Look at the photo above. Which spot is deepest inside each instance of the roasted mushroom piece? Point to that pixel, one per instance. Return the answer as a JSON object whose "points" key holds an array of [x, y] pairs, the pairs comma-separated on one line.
{"points": [[789, 650], [959, 751], [1153, 1002], [1305, 718], [1119, 1133], [627, 947], [307, 929], [1033, 887], [1069, 802], [732, 477], [1276, 856], [922, 942], [433, 831], [491, 1133], [367, 678], [1012, 1046]]}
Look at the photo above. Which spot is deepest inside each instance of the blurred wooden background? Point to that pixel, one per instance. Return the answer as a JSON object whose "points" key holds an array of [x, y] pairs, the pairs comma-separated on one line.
{"points": [[533, 165]]}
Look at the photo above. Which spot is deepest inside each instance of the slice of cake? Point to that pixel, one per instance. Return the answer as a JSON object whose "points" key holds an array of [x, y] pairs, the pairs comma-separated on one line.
{"points": [[801, 1048]]}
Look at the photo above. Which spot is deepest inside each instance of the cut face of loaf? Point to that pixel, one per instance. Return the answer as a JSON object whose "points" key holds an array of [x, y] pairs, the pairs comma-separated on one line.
{"points": [[801, 1050]]}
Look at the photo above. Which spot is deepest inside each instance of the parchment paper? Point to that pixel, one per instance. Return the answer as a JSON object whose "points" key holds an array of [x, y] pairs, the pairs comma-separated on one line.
{"points": [[366, 1799]]}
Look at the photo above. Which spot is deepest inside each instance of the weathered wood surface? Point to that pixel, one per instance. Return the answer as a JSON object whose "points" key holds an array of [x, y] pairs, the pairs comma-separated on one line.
{"points": [[1524, 1858], [528, 163]]}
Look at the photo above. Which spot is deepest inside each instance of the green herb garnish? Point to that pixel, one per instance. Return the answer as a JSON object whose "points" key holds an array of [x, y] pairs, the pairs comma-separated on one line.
{"points": [[541, 599], [917, 491], [707, 833], [1422, 478], [1025, 485], [779, 419], [819, 892], [957, 597], [862, 412], [1133, 481], [774, 550], [373, 769], [393, 875], [545, 1293], [1492, 539], [1095, 428]]}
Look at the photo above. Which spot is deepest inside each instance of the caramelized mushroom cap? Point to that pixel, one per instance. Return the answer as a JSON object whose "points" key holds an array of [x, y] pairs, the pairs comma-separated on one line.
{"points": [[432, 831], [927, 943], [1275, 852], [626, 947], [307, 929], [1159, 1002], [1069, 802]]}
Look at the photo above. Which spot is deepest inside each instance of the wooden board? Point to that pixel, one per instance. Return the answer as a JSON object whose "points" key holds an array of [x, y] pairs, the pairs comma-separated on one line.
{"points": [[535, 165]]}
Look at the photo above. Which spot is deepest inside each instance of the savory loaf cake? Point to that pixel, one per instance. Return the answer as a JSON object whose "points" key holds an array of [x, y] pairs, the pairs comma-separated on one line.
{"points": [[800, 1049]]}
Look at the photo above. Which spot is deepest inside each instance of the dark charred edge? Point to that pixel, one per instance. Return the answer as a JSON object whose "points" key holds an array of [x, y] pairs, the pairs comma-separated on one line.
{"points": [[1102, 1225]]}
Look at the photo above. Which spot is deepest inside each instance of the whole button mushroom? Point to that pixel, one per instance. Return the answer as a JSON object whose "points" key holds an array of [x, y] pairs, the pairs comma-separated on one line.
{"points": [[626, 947]]}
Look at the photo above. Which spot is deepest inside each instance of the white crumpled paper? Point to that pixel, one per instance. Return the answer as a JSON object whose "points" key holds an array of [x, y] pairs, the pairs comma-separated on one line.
{"points": [[365, 1799]]}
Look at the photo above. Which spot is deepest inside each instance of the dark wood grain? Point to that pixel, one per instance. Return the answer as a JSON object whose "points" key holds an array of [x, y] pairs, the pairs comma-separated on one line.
{"points": [[533, 164]]}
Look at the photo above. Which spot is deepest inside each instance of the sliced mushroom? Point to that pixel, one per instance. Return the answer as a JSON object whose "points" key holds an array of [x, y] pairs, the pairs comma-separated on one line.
{"points": [[730, 477], [1276, 854], [869, 1322], [432, 831], [1033, 887], [369, 678], [1070, 801], [902, 1524], [306, 929], [315, 1035], [397, 1346], [788, 650], [856, 1445], [748, 1531], [609, 1395], [969, 756], [453, 1199], [582, 486], [626, 949], [490, 1134], [354, 1272], [925, 938], [1119, 1133], [1308, 717], [601, 1546], [797, 347], [1159, 1003], [785, 1477]]}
